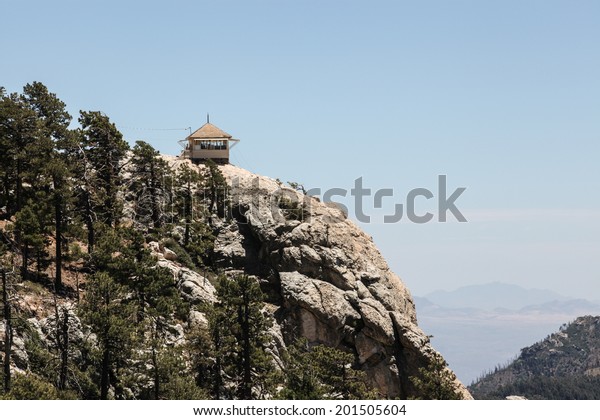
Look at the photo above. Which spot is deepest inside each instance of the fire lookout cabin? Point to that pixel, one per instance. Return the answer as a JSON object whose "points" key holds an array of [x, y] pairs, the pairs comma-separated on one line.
{"points": [[208, 142]]}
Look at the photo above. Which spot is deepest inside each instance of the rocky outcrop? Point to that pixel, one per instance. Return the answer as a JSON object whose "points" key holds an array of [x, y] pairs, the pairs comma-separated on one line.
{"points": [[192, 287], [325, 277]]}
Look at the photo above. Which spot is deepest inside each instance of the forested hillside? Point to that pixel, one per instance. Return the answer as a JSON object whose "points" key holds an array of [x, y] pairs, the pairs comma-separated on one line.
{"points": [[127, 275], [565, 365]]}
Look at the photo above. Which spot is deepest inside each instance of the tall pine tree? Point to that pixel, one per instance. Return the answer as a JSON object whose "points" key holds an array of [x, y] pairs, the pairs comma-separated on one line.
{"points": [[103, 151], [51, 163], [239, 329], [147, 183]]}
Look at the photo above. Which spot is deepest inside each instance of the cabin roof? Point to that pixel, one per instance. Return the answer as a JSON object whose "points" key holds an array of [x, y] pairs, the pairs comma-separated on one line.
{"points": [[209, 131]]}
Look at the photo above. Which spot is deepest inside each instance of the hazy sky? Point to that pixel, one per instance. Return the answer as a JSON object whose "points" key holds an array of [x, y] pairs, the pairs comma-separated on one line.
{"points": [[502, 97]]}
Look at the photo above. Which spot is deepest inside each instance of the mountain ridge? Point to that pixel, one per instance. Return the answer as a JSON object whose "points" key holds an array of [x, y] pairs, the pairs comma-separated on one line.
{"points": [[474, 339], [564, 365], [492, 295]]}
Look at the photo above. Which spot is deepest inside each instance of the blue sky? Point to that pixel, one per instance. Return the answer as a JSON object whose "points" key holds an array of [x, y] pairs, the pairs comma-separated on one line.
{"points": [[503, 97]]}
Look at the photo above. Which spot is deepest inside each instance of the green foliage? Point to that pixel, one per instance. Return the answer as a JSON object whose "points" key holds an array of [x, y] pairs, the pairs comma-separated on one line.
{"points": [[31, 387], [182, 255], [297, 186], [30, 234], [147, 185], [238, 329], [198, 239], [562, 366], [111, 317], [103, 149], [201, 243], [45, 363], [215, 188], [19, 134], [170, 377], [292, 209], [36, 163], [539, 387], [322, 372], [436, 381]]}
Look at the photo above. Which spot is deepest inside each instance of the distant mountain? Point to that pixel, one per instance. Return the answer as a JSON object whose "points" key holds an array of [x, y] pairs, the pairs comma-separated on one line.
{"points": [[473, 340], [565, 365], [572, 306], [491, 296]]}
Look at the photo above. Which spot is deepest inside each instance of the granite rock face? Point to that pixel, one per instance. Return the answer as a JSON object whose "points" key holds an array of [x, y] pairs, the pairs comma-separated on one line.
{"points": [[326, 279]]}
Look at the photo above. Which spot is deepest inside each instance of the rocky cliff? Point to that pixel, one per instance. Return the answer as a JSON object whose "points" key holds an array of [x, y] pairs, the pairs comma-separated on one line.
{"points": [[326, 279]]}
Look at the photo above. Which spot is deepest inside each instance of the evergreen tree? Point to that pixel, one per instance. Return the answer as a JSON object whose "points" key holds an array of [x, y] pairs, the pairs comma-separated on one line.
{"points": [[29, 386], [198, 238], [188, 183], [301, 376], [30, 235], [102, 153], [239, 331], [18, 137], [210, 349], [147, 183], [322, 372], [51, 163], [8, 331], [436, 382], [215, 188], [152, 298], [111, 318]]}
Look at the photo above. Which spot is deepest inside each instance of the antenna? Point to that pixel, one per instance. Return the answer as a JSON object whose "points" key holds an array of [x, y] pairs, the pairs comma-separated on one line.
{"points": [[207, 118]]}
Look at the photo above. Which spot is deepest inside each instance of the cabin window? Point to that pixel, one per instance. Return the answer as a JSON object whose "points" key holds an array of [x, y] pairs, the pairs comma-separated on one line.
{"points": [[210, 145]]}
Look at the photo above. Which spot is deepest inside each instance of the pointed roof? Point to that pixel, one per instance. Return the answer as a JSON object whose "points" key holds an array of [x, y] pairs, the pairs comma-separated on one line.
{"points": [[209, 131]]}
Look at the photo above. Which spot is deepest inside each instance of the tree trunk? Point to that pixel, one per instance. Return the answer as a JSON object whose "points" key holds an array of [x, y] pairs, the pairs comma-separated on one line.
{"points": [[247, 365], [187, 208], [38, 264], [154, 196], [63, 345], [105, 373], [19, 187], [58, 228], [8, 333], [24, 264], [156, 374], [89, 222], [218, 380], [6, 192]]}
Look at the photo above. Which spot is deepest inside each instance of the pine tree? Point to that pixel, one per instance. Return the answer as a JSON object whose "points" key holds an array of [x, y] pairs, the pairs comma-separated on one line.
{"points": [[8, 331], [102, 152], [436, 381], [206, 362], [152, 299], [215, 188], [188, 183], [50, 162], [111, 318], [147, 183], [18, 137], [238, 329], [198, 238], [301, 376], [322, 372], [29, 234]]}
